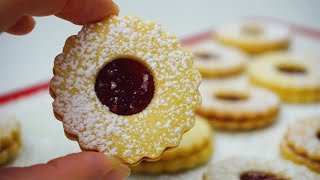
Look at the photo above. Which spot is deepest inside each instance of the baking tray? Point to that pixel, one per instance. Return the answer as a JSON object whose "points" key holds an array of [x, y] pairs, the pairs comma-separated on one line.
{"points": [[44, 139]]}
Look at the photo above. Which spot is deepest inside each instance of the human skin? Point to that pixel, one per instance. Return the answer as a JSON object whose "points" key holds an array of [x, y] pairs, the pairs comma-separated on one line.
{"points": [[16, 16]]}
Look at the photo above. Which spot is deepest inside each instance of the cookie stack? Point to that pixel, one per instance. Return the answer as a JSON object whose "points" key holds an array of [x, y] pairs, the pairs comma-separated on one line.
{"points": [[233, 108], [195, 149], [267, 80]]}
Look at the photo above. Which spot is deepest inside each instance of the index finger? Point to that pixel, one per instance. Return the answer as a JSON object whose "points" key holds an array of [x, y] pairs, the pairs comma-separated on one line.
{"points": [[80, 166], [76, 11]]}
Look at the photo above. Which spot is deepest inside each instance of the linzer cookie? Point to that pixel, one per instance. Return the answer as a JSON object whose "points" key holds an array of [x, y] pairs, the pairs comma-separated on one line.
{"points": [[293, 78], [10, 137], [301, 143], [195, 149], [255, 37], [238, 108], [125, 87], [245, 168], [214, 60]]}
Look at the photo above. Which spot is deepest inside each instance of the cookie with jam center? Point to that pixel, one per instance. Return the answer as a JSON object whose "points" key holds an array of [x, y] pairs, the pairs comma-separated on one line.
{"points": [[251, 168], [214, 60], [125, 87], [238, 107], [195, 149], [301, 143], [294, 77], [255, 37]]}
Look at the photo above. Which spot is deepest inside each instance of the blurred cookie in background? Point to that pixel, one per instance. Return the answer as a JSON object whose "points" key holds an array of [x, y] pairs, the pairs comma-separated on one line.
{"points": [[253, 168], [238, 107], [10, 137], [255, 37], [214, 60], [295, 78], [301, 143]]}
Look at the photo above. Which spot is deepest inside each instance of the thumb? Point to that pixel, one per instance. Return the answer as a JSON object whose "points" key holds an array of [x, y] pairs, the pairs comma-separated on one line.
{"points": [[79, 166]]}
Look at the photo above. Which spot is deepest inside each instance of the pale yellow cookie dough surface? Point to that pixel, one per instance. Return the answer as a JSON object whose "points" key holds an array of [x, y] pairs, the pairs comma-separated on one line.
{"points": [[195, 148], [144, 135]]}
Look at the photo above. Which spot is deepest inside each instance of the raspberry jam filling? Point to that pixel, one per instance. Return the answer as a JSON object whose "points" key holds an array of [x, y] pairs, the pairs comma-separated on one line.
{"points": [[258, 176], [230, 97], [125, 85], [292, 69], [205, 56], [252, 29]]}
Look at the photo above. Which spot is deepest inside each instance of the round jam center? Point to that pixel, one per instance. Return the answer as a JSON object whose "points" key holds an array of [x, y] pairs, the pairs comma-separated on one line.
{"points": [[252, 29], [292, 69], [206, 56], [258, 176], [125, 85], [230, 97], [318, 135]]}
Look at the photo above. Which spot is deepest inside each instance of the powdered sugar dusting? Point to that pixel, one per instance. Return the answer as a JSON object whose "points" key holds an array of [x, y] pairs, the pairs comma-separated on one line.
{"points": [[302, 136], [232, 169], [257, 102], [130, 138]]}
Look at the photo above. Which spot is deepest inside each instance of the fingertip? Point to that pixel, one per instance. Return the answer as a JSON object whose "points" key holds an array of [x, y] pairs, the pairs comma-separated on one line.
{"points": [[118, 173], [89, 11], [88, 164], [116, 9], [23, 26]]}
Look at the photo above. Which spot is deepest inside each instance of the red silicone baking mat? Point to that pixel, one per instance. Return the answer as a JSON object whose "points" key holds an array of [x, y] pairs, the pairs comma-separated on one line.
{"points": [[44, 139]]}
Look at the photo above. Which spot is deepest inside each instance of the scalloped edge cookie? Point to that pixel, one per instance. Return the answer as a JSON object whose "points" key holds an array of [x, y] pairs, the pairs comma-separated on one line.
{"points": [[195, 149], [142, 136]]}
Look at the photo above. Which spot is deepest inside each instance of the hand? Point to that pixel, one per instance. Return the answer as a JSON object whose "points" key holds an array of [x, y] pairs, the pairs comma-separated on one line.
{"points": [[16, 15], [80, 166]]}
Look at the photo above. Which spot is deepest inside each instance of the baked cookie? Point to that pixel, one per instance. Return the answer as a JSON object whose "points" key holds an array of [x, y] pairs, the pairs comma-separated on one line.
{"points": [[195, 148], [238, 108], [124, 87], [10, 137], [295, 80], [255, 37], [301, 143], [214, 60], [245, 168]]}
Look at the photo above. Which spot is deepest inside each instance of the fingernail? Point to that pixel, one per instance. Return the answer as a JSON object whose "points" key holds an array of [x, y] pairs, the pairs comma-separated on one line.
{"points": [[118, 173]]}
